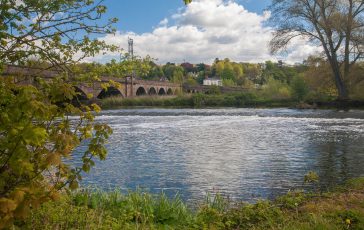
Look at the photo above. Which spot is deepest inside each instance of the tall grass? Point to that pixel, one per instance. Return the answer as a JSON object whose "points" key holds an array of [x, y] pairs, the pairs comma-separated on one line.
{"points": [[111, 210], [342, 208], [247, 99]]}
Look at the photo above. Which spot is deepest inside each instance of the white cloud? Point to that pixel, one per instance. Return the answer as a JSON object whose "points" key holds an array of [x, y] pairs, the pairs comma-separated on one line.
{"points": [[164, 22], [207, 29]]}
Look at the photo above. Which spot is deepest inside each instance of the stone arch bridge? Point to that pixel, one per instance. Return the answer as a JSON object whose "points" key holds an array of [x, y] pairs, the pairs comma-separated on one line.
{"points": [[126, 87]]}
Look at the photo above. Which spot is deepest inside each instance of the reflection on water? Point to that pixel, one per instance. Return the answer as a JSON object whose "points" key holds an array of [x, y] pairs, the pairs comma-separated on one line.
{"points": [[244, 153]]}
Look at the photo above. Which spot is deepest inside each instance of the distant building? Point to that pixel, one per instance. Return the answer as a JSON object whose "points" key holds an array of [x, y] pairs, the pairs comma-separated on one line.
{"points": [[212, 81]]}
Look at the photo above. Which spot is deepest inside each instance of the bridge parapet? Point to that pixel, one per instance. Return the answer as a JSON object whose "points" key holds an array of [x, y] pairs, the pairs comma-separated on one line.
{"points": [[125, 89], [14, 70]]}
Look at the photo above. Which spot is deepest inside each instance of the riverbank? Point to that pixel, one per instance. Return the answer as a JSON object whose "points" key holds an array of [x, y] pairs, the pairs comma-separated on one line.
{"points": [[238, 100], [196, 101], [342, 208]]}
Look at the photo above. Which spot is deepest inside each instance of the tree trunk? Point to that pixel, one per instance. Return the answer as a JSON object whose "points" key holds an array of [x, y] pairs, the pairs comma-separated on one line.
{"points": [[343, 92], [340, 85]]}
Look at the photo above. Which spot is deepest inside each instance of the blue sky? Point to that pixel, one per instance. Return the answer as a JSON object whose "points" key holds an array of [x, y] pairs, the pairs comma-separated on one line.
{"points": [[169, 31], [142, 16]]}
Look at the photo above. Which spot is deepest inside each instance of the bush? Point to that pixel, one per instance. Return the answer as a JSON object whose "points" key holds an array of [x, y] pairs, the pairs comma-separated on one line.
{"points": [[276, 90], [299, 88], [36, 136]]}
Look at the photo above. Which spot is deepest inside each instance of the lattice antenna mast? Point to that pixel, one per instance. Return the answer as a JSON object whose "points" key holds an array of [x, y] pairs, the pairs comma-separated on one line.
{"points": [[131, 48], [131, 57]]}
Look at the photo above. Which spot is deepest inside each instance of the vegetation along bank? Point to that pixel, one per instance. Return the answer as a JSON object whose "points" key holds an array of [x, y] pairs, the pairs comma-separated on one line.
{"points": [[341, 208]]}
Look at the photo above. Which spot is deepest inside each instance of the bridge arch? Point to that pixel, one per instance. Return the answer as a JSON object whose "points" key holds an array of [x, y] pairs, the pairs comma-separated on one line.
{"points": [[80, 94], [162, 91], [141, 91], [152, 91], [110, 92], [169, 91]]}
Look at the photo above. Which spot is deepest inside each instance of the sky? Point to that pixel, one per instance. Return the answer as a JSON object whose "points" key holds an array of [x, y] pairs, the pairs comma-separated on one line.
{"points": [[169, 31]]}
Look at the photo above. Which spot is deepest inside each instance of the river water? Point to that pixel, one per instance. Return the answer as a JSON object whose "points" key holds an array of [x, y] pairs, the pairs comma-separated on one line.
{"points": [[246, 154]]}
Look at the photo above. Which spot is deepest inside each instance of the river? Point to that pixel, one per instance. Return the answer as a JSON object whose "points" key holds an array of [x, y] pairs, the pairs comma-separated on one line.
{"points": [[246, 154]]}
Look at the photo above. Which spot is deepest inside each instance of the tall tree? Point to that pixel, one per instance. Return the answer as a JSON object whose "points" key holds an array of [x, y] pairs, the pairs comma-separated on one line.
{"points": [[336, 25]]}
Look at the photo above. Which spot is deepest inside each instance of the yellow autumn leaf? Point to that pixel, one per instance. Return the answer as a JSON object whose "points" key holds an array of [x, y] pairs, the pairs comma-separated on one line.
{"points": [[90, 95], [7, 205], [35, 136], [18, 196], [96, 108], [53, 159], [73, 185]]}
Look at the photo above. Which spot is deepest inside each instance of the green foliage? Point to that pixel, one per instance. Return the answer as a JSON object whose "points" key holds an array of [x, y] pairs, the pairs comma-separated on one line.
{"points": [[191, 81], [262, 215], [177, 76], [212, 99], [311, 177], [37, 134], [299, 88], [292, 199], [214, 89], [228, 73], [36, 131], [276, 90], [139, 66], [187, 1], [357, 92], [57, 32], [140, 210], [156, 73], [197, 100], [100, 210], [228, 83]]}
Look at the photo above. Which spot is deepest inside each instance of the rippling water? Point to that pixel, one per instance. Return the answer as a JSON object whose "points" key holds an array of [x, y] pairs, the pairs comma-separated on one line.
{"points": [[243, 153]]}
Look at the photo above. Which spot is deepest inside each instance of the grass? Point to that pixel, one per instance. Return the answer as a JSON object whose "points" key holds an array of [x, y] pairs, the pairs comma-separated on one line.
{"points": [[342, 208], [199, 100]]}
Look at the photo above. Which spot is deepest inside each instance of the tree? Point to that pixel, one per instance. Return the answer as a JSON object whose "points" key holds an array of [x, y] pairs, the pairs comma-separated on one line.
{"points": [[228, 73], [238, 70], [177, 76], [141, 67], [57, 32], [168, 70], [337, 25], [253, 72], [188, 67], [274, 71], [318, 77], [36, 131], [156, 73], [299, 88], [219, 66]]}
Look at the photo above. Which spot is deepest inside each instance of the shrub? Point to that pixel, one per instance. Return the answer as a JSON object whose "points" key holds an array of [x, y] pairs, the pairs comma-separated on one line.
{"points": [[276, 90], [37, 134], [299, 88]]}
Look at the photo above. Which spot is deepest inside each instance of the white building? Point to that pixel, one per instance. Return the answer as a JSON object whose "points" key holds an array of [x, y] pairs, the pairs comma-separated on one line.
{"points": [[212, 81]]}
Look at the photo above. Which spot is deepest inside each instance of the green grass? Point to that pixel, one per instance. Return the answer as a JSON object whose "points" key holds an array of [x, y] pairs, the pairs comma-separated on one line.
{"points": [[342, 208], [249, 99]]}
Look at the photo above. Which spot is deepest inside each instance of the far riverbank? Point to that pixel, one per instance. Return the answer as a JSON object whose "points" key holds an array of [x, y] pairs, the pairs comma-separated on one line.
{"points": [[237, 100]]}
